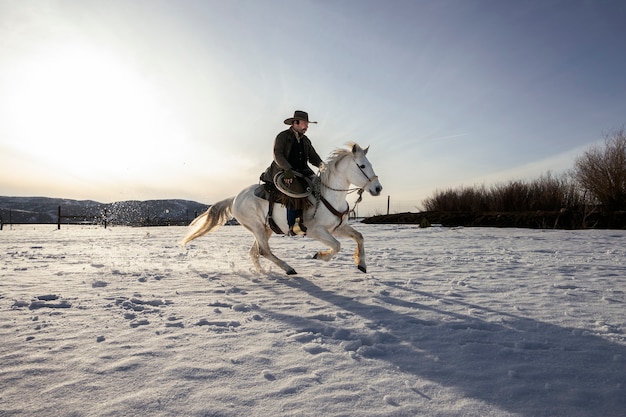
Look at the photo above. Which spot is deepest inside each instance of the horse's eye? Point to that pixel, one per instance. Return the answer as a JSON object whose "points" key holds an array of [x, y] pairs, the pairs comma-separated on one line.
{"points": [[362, 166]]}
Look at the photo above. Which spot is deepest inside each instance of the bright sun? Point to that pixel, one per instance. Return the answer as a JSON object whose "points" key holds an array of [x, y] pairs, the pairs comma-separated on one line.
{"points": [[83, 110]]}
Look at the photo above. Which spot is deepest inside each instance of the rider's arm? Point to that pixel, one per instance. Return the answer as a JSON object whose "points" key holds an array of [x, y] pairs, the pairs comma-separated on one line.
{"points": [[280, 151], [314, 158]]}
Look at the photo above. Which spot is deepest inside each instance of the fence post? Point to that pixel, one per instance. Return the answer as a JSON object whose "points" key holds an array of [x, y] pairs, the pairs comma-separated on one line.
{"points": [[59, 218]]}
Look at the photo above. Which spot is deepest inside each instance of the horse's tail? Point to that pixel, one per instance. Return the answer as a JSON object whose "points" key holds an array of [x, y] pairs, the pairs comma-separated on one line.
{"points": [[217, 215]]}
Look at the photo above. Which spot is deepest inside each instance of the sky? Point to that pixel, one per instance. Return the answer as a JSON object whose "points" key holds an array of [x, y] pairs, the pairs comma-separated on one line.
{"points": [[136, 99]]}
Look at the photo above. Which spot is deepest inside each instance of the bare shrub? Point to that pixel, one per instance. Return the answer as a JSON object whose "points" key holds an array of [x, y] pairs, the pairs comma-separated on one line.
{"points": [[513, 196], [460, 199], [547, 193], [602, 171], [550, 193]]}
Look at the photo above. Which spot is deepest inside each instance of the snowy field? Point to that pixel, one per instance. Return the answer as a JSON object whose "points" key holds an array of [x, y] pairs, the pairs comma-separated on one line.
{"points": [[447, 322]]}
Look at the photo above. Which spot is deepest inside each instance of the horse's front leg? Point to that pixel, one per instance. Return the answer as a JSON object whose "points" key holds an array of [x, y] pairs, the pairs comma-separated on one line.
{"points": [[359, 254], [325, 237]]}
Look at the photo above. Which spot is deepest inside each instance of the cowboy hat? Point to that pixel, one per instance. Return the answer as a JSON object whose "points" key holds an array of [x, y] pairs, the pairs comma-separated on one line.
{"points": [[298, 115]]}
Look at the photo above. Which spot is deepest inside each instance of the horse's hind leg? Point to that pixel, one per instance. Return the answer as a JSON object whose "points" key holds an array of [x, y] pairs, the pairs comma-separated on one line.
{"points": [[254, 255], [261, 247]]}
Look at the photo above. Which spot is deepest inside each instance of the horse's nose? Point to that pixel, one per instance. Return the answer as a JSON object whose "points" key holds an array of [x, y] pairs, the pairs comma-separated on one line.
{"points": [[379, 188]]}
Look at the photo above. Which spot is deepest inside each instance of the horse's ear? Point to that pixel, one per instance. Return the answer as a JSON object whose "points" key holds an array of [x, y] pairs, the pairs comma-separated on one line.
{"points": [[365, 150], [356, 148]]}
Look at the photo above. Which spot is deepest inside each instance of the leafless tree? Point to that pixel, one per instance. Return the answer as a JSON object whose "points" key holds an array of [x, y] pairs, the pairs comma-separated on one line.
{"points": [[602, 171]]}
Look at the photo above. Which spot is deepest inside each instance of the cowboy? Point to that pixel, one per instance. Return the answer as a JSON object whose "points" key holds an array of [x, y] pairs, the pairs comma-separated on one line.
{"points": [[293, 152]]}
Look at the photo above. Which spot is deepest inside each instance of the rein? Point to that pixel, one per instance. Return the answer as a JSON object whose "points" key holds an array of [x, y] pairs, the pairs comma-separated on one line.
{"points": [[334, 210]]}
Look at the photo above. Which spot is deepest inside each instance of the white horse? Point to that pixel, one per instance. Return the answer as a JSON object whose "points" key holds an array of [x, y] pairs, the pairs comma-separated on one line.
{"points": [[343, 168]]}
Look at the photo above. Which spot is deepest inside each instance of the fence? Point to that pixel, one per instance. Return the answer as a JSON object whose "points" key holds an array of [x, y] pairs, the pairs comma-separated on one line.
{"points": [[375, 206], [82, 219], [103, 215]]}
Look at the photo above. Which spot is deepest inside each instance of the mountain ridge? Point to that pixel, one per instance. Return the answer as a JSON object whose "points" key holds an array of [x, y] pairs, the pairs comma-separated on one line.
{"points": [[43, 210]]}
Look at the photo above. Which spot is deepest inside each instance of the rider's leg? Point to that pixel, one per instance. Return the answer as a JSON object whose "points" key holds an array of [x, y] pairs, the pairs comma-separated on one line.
{"points": [[295, 215], [292, 213]]}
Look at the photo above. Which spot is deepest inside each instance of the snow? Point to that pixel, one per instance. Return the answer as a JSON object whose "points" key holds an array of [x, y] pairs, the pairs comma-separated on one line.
{"points": [[447, 322]]}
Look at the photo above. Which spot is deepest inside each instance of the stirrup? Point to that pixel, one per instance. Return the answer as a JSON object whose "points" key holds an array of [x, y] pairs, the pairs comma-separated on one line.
{"points": [[298, 228]]}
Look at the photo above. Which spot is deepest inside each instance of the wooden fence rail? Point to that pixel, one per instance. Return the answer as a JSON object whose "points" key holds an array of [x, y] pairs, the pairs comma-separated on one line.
{"points": [[91, 219]]}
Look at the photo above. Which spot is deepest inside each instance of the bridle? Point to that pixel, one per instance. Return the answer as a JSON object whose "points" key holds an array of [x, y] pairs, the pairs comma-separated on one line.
{"points": [[375, 177], [359, 190], [351, 190]]}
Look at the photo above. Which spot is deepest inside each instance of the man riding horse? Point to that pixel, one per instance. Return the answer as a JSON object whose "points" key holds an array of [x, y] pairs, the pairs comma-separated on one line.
{"points": [[293, 151]]}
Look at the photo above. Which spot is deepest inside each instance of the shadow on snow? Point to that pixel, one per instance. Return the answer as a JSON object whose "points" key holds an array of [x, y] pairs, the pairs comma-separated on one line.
{"points": [[518, 364]]}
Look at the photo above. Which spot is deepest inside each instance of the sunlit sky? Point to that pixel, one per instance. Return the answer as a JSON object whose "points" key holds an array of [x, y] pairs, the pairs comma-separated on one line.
{"points": [[127, 99]]}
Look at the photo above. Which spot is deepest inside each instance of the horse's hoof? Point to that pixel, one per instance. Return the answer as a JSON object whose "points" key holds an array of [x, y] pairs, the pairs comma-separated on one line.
{"points": [[362, 269], [316, 256], [291, 272]]}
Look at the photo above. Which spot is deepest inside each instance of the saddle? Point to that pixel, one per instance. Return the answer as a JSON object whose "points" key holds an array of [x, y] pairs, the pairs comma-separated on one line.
{"points": [[268, 191]]}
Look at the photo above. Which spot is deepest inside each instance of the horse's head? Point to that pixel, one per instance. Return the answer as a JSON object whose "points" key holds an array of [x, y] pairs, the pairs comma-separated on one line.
{"points": [[361, 172]]}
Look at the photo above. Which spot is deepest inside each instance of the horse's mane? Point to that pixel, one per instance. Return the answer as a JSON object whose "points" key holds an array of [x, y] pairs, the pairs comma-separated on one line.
{"points": [[337, 156]]}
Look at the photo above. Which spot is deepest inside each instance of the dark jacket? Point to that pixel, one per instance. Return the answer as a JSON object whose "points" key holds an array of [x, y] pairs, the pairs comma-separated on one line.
{"points": [[282, 147]]}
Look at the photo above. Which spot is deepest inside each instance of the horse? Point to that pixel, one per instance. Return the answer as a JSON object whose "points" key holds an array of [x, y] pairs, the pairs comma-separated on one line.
{"points": [[344, 167]]}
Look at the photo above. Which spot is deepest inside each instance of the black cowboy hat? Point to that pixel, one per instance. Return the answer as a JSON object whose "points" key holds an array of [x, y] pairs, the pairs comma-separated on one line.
{"points": [[298, 115]]}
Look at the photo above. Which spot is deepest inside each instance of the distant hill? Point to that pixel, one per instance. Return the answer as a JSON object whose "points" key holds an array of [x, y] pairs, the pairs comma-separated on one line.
{"points": [[42, 210]]}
